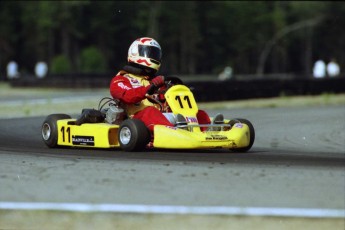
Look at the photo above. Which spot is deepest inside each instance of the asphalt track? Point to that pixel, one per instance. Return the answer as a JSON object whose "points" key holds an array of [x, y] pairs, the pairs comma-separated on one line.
{"points": [[297, 162]]}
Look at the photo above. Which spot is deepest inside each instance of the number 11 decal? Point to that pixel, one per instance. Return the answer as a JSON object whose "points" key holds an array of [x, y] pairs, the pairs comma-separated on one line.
{"points": [[68, 132], [185, 98]]}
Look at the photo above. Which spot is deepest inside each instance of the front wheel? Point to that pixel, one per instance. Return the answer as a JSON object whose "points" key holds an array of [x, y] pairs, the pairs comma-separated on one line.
{"points": [[133, 135], [251, 134], [49, 129]]}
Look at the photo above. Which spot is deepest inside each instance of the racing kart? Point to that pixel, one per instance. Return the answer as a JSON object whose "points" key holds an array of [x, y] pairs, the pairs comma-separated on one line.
{"points": [[109, 127]]}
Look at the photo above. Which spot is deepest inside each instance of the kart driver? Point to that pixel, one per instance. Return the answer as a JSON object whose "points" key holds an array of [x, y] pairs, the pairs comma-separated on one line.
{"points": [[139, 78]]}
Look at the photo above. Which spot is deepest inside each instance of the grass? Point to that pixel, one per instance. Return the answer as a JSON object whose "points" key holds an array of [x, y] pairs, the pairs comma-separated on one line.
{"points": [[22, 106]]}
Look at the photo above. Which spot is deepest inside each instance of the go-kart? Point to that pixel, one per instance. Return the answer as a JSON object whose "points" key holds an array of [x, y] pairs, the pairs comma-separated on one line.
{"points": [[109, 127]]}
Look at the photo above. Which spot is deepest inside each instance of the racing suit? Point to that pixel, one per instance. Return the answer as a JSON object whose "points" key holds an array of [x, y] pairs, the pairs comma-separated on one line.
{"points": [[130, 89]]}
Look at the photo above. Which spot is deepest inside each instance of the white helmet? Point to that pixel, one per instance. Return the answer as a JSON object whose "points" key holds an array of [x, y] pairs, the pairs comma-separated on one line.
{"points": [[145, 52]]}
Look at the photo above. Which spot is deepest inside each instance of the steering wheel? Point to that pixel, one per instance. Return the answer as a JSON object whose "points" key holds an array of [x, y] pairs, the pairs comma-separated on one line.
{"points": [[156, 101], [169, 82], [174, 80]]}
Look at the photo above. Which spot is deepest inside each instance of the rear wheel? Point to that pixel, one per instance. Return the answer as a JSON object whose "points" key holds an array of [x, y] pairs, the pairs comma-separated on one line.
{"points": [[49, 129], [251, 134], [133, 135]]}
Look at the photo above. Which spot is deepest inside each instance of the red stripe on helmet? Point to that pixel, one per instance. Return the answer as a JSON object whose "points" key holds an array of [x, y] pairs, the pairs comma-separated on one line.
{"points": [[141, 61], [145, 40]]}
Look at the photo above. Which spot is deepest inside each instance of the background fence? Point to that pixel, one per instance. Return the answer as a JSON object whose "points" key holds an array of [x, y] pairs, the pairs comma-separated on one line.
{"points": [[206, 88]]}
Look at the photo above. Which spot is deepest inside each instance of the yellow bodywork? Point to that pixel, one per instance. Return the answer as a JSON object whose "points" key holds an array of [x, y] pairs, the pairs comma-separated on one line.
{"points": [[104, 135], [181, 101], [97, 135], [173, 138]]}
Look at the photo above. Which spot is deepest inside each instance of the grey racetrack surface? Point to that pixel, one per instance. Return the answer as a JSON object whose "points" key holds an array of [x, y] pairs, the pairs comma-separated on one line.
{"points": [[297, 161]]}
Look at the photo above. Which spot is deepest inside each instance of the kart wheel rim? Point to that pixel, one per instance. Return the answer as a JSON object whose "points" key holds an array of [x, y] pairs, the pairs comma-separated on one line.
{"points": [[46, 131], [125, 135]]}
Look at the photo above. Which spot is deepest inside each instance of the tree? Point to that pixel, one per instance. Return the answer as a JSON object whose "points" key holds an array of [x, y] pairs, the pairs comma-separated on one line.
{"points": [[92, 61], [280, 34], [196, 37]]}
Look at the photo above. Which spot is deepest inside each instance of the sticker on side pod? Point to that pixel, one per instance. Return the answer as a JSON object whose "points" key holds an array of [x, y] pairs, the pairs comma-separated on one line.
{"points": [[83, 140]]}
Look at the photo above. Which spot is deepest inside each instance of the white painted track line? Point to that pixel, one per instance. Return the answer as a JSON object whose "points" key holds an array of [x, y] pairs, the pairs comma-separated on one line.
{"points": [[161, 209]]}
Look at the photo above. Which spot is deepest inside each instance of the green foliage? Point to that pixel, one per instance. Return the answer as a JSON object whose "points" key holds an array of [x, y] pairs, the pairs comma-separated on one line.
{"points": [[197, 37], [60, 64], [92, 60]]}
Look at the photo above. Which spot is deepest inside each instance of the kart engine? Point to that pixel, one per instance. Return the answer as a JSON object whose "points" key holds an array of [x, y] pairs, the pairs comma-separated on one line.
{"points": [[114, 114]]}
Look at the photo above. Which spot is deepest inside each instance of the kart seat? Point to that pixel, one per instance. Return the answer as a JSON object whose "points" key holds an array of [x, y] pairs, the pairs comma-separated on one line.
{"points": [[90, 116]]}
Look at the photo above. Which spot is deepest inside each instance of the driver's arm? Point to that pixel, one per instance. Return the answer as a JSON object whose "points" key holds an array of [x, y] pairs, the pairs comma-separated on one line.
{"points": [[156, 83], [121, 88]]}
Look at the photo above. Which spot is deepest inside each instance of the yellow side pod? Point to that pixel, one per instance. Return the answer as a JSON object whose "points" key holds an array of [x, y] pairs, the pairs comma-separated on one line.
{"points": [[100, 135], [174, 138]]}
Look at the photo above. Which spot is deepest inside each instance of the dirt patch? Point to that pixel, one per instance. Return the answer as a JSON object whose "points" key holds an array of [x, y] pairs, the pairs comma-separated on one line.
{"points": [[82, 221]]}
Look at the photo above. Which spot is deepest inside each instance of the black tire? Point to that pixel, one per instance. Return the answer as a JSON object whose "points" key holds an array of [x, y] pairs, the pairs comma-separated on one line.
{"points": [[133, 135], [251, 134], [49, 129]]}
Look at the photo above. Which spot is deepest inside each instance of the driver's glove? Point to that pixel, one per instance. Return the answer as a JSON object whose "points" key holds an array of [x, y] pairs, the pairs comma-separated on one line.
{"points": [[156, 83]]}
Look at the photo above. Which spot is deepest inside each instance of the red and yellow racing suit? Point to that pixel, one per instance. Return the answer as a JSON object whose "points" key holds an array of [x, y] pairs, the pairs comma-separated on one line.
{"points": [[130, 89]]}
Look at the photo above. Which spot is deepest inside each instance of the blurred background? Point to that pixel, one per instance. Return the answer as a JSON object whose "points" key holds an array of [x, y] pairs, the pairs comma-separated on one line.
{"points": [[218, 40]]}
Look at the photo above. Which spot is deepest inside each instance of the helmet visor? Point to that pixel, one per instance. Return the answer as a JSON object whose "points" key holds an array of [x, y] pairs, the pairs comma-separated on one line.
{"points": [[150, 52]]}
